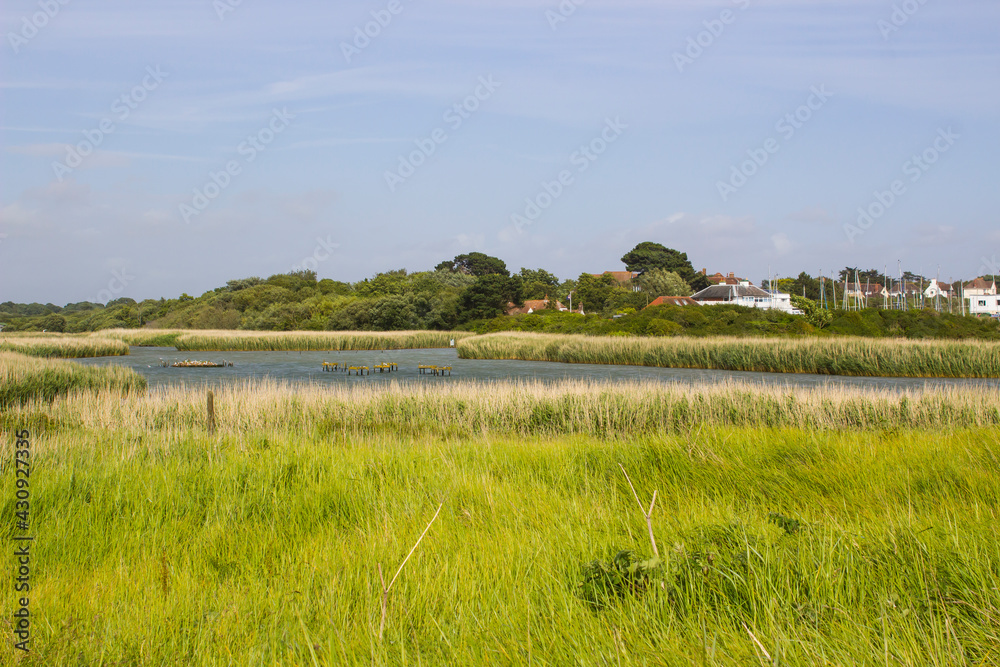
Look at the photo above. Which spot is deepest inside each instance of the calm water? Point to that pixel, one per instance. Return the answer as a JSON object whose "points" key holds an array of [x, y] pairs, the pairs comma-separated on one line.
{"points": [[306, 367]]}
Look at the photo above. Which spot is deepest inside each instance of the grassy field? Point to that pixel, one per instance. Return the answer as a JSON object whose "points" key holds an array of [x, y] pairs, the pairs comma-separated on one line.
{"points": [[63, 345], [831, 356], [265, 341], [793, 527], [25, 380]]}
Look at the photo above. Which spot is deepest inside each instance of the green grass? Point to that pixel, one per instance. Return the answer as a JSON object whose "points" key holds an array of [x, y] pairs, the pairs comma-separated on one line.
{"points": [[828, 356], [63, 345], [24, 379], [262, 548], [258, 341], [832, 526]]}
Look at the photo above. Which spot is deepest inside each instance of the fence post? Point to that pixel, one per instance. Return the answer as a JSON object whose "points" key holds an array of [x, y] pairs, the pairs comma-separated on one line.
{"points": [[211, 412]]}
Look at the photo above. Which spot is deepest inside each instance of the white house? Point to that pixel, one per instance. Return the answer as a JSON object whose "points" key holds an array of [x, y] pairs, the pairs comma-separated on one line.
{"points": [[745, 294], [936, 289], [985, 305], [980, 287]]}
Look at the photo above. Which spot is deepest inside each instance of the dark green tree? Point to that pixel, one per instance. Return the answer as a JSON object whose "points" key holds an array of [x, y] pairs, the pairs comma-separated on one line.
{"points": [[475, 264], [648, 255], [488, 296]]}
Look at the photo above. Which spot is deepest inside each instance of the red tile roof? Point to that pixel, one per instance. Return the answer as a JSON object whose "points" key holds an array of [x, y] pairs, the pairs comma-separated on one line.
{"points": [[672, 301]]}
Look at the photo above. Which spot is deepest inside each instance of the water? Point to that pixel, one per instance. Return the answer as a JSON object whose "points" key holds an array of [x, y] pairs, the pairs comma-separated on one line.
{"points": [[305, 367]]}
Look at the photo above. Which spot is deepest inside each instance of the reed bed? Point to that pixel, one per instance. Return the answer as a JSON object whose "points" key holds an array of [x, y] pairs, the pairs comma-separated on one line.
{"points": [[525, 408], [29, 380], [66, 346], [824, 356], [290, 341]]}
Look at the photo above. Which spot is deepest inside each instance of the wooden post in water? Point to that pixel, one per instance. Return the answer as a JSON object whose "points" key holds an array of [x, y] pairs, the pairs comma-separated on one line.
{"points": [[211, 412]]}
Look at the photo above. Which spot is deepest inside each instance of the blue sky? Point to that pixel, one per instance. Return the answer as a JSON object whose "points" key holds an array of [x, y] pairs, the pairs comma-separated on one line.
{"points": [[232, 138]]}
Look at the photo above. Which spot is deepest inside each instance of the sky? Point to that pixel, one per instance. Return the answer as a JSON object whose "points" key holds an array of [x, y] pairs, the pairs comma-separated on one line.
{"points": [[154, 149]]}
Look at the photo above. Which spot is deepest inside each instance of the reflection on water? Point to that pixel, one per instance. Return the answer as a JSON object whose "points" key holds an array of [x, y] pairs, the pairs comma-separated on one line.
{"points": [[306, 367]]}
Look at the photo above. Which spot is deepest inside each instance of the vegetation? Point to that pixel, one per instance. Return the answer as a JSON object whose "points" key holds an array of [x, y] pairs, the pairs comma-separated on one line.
{"points": [[295, 341], [726, 320], [24, 379], [832, 356], [648, 256], [67, 347], [871, 538]]}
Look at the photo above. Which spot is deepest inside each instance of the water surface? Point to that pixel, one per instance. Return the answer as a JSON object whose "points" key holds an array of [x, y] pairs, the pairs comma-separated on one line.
{"points": [[306, 367]]}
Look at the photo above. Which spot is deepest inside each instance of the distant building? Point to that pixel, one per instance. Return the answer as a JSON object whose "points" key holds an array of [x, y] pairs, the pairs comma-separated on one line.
{"points": [[980, 287], [532, 305], [672, 301], [719, 279], [985, 305], [745, 294], [936, 289]]}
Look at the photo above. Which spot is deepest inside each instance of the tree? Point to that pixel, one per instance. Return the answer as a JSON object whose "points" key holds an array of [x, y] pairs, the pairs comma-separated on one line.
{"points": [[660, 282], [594, 292], [475, 264], [488, 296], [648, 255], [539, 283]]}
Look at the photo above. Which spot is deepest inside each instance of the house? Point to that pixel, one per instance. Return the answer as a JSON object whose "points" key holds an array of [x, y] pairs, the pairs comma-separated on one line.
{"points": [[980, 287], [985, 305], [936, 289], [672, 301], [909, 290], [719, 279], [744, 294], [531, 305], [865, 292]]}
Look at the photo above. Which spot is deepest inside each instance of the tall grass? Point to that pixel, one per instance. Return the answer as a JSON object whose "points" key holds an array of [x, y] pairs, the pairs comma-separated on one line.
{"points": [[24, 379], [281, 341], [837, 356], [63, 345], [523, 408], [157, 544]]}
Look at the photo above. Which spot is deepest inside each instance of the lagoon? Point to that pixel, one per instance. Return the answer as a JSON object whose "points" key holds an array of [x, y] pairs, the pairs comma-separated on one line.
{"points": [[306, 368]]}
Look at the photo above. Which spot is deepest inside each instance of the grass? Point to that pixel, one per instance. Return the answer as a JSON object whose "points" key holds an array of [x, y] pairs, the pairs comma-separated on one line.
{"points": [[819, 526], [112, 342], [63, 345], [291, 341], [158, 544], [468, 409], [833, 356], [25, 380]]}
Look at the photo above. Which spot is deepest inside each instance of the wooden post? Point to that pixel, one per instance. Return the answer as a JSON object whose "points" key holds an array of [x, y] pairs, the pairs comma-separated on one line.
{"points": [[211, 413]]}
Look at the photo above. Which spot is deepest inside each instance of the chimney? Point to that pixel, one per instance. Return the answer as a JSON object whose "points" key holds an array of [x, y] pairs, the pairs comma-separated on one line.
{"points": [[732, 275], [704, 272]]}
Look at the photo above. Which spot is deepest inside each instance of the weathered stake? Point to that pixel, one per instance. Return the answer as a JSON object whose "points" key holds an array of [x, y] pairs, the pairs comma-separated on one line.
{"points": [[211, 412]]}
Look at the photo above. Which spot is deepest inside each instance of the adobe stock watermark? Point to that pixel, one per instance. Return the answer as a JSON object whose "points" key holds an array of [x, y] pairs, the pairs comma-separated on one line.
{"points": [[363, 35], [714, 29], [322, 252], [901, 15], [914, 168], [120, 280], [454, 118], [786, 126], [562, 13], [121, 109], [990, 266], [223, 7], [583, 158], [218, 181], [30, 25]]}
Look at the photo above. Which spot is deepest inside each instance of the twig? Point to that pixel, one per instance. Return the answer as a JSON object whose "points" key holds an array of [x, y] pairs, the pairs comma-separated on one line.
{"points": [[648, 515], [757, 642], [386, 589]]}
